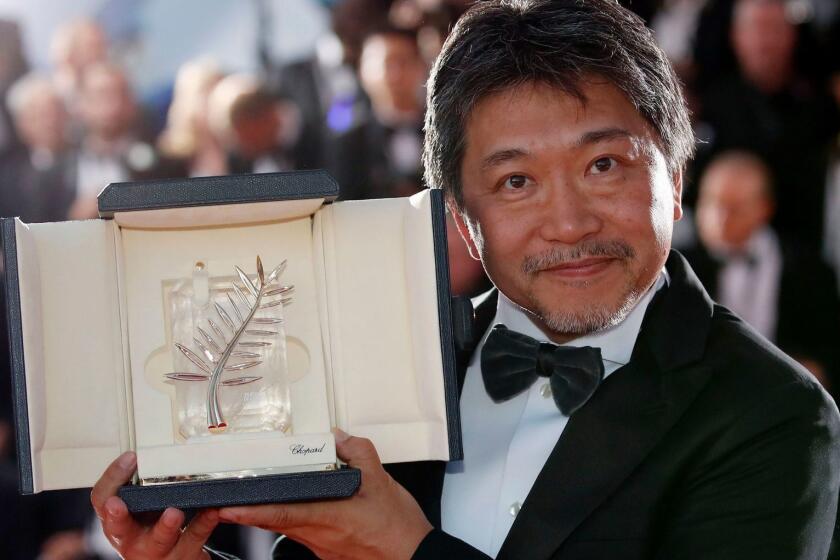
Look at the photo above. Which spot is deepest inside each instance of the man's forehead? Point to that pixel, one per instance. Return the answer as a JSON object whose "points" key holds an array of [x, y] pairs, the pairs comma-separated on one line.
{"points": [[530, 112]]}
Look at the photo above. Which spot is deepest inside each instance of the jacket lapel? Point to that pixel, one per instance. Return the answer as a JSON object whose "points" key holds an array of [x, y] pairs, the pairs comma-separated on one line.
{"points": [[607, 439]]}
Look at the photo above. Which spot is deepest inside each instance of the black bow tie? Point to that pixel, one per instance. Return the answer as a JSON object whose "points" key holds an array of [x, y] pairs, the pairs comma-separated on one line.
{"points": [[512, 361]]}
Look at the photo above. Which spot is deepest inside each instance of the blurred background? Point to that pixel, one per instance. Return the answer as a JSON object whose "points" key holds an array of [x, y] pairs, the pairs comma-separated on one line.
{"points": [[98, 91]]}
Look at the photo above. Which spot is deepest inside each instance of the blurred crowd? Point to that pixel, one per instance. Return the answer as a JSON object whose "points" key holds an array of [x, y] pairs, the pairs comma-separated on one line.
{"points": [[762, 226]]}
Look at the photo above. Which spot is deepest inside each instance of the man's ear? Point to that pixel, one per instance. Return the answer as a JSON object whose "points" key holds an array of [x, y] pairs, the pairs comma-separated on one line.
{"points": [[678, 189], [461, 224]]}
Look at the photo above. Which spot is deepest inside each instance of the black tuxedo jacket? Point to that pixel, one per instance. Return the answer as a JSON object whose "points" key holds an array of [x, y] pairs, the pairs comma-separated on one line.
{"points": [[709, 444]]}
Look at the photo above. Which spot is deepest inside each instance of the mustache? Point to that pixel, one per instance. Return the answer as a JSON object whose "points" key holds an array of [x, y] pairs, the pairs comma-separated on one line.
{"points": [[562, 255]]}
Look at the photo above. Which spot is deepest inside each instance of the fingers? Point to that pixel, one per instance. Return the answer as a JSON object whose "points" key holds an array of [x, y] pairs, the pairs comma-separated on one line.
{"points": [[118, 473], [357, 452], [275, 517], [117, 523], [197, 532], [164, 534]]}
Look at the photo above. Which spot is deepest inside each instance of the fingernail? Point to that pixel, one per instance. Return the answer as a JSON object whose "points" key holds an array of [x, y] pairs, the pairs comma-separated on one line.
{"points": [[171, 517], [127, 460], [340, 435]]}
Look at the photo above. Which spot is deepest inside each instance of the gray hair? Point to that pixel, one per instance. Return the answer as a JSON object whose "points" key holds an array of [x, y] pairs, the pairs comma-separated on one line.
{"points": [[500, 44]]}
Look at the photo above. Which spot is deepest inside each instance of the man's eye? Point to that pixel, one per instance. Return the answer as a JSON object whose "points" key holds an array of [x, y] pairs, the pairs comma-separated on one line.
{"points": [[515, 182], [602, 165]]}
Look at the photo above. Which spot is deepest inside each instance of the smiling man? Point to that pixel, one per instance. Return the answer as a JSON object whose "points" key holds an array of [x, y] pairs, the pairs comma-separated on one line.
{"points": [[567, 201], [610, 409]]}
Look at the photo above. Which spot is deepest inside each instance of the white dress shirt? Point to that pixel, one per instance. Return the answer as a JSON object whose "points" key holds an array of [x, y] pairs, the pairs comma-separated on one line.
{"points": [[749, 286], [506, 444]]}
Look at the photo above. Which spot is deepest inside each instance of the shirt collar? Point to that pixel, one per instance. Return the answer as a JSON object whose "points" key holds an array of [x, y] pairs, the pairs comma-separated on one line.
{"points": [[616, 342]]}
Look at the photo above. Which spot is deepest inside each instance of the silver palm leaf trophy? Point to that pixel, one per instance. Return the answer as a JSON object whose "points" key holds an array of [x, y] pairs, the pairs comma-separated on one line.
{"points": [[235, 332]]}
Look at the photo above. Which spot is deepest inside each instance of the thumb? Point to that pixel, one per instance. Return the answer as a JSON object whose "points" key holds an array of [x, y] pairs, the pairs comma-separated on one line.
{"points": [[356, 452]]}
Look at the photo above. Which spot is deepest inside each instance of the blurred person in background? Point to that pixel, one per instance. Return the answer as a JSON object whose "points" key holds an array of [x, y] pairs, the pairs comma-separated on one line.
{"points": [[107, 109], [325, 86], [38, 178], [12, 66], [77, 46], [264, 129], [784, 291], [381, 156], [770, 108], [112, 147], [257, 129], [187, 136]]}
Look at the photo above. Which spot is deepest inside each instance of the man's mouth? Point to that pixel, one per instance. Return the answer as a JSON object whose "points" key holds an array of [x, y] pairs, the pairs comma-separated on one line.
{"points": [[581, 268]]}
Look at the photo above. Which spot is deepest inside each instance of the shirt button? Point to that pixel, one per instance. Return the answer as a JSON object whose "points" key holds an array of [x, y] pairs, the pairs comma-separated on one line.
{"points": [[545, 390], [514, 509]]}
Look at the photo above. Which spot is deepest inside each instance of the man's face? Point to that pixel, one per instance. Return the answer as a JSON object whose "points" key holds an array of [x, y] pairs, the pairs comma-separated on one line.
{"points": [[392, 70], [43, 121], [763, 39], [107, 105], [734, 203], [569, 205]]}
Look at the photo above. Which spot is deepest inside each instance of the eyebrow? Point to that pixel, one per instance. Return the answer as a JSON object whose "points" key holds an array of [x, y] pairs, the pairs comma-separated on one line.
{"points": [[502, 156], [603, 135], [588, 138]]}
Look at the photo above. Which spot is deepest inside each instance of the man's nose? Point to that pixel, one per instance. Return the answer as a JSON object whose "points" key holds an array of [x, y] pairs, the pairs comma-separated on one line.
{"points": [[568, 216]]}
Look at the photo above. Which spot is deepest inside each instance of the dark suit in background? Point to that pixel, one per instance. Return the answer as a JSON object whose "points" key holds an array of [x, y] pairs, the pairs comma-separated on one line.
{"points": [[330, 101], [375, 160], [807, 307], [36, 194]]}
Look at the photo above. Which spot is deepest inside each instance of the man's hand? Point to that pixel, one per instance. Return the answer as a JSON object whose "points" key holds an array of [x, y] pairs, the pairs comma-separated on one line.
{"points": [[382, 521], [164, 539]]}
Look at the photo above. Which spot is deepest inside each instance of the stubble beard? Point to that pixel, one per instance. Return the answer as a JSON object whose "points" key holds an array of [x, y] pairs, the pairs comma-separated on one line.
{"points": [[568, 322]]}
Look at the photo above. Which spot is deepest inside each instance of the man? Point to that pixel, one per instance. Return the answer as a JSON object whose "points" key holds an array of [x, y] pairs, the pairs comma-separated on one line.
{"points": [[786, 293], [76, 47], [108, 112], [258, 122], [325, 87], [38, 179], [380, 157], [769, 107], [113, 146], [558, 130]]}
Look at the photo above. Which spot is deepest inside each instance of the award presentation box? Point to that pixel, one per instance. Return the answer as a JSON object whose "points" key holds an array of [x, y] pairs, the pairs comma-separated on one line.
{"points": [[369, 337]]}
